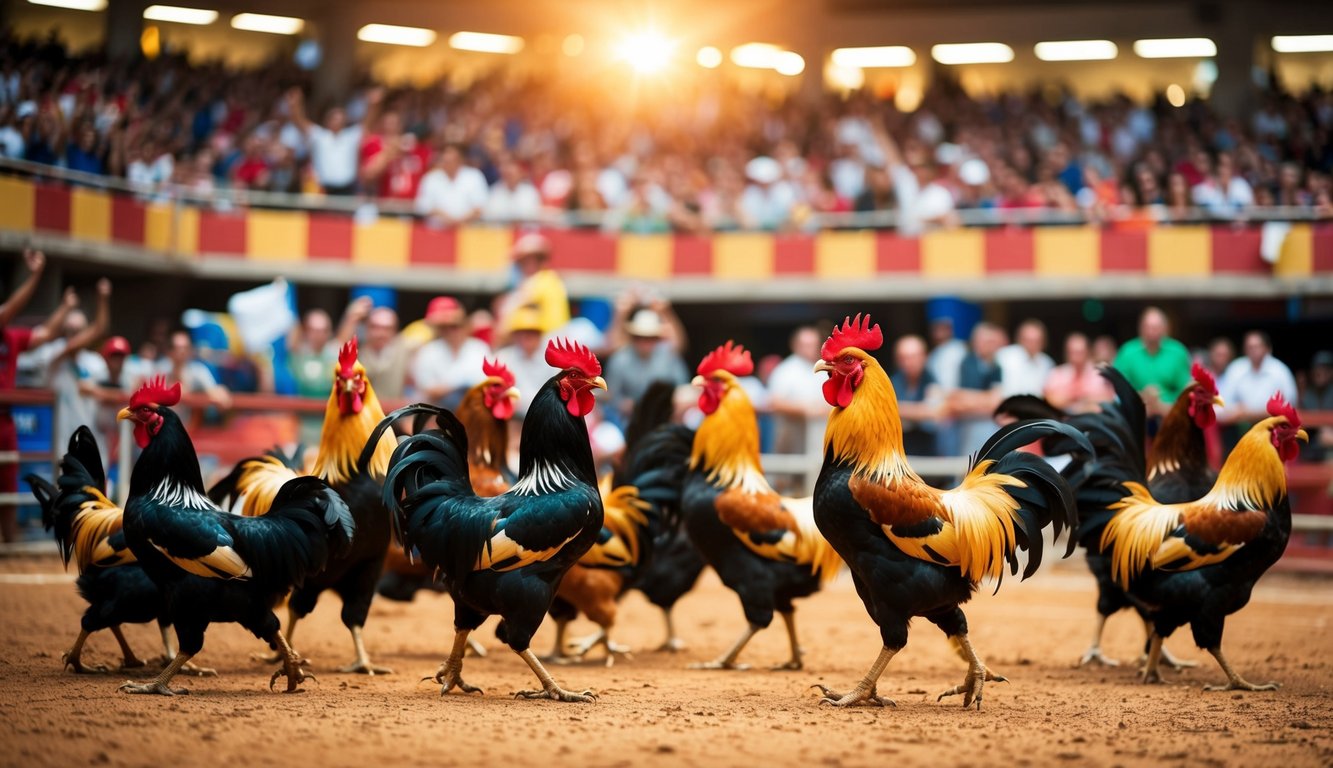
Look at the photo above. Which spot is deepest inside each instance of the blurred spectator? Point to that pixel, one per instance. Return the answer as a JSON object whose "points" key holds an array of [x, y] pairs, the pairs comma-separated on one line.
{"points": [[452, 193], [182, 364], [1318, 396], [150, 167], [794, 395], [334, 146], [768, 201], [526, 357], [980, 383], [1024, 366], [923, 203], [312, 351], [1220, 354], [539, 288], [1155, 364], [1076, 386], [1250, 381], [919, 397], [384, 354], [947, 354], [512, 198], [448, 364], [393, 161], [647, 347], [67, 367], [1225, 193], [1104, 350], [252, 172]]}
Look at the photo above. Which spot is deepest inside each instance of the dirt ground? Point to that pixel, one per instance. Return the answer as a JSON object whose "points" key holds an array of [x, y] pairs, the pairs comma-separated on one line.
{"points": [[654, 712]]}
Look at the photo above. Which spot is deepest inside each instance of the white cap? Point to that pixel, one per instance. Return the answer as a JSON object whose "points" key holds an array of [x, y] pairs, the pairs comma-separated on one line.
{"points": [[646, 324]]}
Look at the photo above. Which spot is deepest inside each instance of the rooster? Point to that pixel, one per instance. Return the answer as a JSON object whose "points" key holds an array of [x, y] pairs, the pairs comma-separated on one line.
{"points": [[504, 554], [87, 527], [915, 550], [352, 412], [211, 566], [1196, 562], [484, 412], [764, 547]]}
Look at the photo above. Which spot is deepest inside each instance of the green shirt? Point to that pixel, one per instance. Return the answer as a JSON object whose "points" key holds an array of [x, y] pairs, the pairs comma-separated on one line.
{"points": [[1168, 370]]}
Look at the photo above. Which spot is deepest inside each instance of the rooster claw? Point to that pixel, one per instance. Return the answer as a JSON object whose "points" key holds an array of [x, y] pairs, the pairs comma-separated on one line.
{"points": [[556, 693], [448, 681], [295, 676], [1094, 656], [722, 665], [154, 687], [858, 696], [79, 669]]}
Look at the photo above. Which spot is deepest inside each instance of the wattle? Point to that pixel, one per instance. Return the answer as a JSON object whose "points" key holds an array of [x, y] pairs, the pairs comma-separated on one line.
{"points": [[708, 401], [580, 403], [503, 409], [838, 391], [141, 436]]}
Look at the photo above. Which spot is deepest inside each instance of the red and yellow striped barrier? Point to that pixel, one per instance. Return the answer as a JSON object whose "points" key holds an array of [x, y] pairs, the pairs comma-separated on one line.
{"points": [[287, 236]]}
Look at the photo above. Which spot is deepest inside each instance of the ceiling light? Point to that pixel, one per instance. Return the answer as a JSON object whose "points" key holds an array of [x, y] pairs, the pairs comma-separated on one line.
{"points": [[1175, 95], [485, 42], [75, 5], [789, 63], [972, 53], [178, 15], [390, 34], [756, 55], [879, 56], [1175, 48], [709, 57], [1076, 50], [646, 52], [262, 22], [1302, 43]]}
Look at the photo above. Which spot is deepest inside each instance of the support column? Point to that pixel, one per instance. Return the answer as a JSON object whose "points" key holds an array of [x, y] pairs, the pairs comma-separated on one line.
{"points": [[1235, 33], [337, 41], [124, 25]]}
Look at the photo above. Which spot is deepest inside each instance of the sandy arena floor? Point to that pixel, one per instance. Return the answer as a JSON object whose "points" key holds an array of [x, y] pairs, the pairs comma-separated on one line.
{"points": [[654, 712]]}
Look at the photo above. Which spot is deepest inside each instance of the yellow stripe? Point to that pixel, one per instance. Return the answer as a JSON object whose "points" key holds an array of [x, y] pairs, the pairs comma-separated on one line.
{"points": [[382, 243], [90, 215], [1296, 258], [277, 235], [1067, 251], [845, 254], [1180, 251], [484, 249], [187, 231], [953, 253], [157, 227], [743, 256], [644, 257], [18, 206]]}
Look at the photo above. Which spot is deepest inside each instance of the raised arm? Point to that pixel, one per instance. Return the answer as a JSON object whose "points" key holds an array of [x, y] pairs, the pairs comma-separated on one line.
{"points": [[296, 110], [673, 331], [100, 324], [36, 262], [355, 313], [50, 328]]}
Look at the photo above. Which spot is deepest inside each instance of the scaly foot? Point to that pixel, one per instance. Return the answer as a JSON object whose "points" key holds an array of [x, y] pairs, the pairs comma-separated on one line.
{"points": [[74, 663], [450, 677], [1150, 677], [858, 697], [581, 648], [154, 687], [132, 662], [295, 676], [972, 686], [556, 693], [194, 670], [1241, 685], [720, 664], [1174, 663], [795, 665], [364, 667], [1094, 656]]}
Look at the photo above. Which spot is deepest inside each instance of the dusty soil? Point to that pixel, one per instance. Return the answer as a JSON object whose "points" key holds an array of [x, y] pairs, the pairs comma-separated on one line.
{"points": [[654, 712]]}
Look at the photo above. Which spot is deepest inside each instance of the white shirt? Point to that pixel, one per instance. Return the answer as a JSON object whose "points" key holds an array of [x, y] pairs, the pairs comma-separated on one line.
{"points": [[917, 205], [63, 374], [1244, 388], [794, 380], [458, 197], [335, 156], [1021, 373], [771, 207], [945, 363], [521, 203], [438, 366], [149, 174], [11, 142]]}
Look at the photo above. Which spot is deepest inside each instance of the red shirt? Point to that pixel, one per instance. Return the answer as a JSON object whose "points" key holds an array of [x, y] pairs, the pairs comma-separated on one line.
{"points": [[12, 342], [403, 174], [252, 172]]}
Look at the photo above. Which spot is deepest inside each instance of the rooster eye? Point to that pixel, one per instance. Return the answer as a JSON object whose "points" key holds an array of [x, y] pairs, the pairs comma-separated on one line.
{"points": [[848, 360]]}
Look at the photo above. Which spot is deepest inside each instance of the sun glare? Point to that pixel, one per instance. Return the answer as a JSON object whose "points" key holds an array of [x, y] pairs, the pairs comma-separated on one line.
{"points": [[648, 52]]}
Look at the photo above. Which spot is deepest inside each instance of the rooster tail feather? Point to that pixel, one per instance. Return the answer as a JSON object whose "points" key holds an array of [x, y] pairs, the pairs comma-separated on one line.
{"points": [[307, 524], [425, 466], [83, 447], [420, 413]]}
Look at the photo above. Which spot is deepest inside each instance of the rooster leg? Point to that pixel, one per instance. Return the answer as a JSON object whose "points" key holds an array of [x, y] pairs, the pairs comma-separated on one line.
{"points": [[291, 666], [128, 659], [159, 685], [601, 637], [1151, 673], [190, 668], [362, 663], [796, 664], [977, 674], [277, 656], [1094, 653], [476, 648], [549, 689], [558, 652], [1234, 681], [673, 643], [71, 657], [864, 692], [728, 659], [1167, 658], [450, 673]]}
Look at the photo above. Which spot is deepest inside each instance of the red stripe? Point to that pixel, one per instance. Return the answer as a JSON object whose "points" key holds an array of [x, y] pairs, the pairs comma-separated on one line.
{"points": [[432, 245], [222, 233], [692, 255], [52, 206], [1237, 250], [897, 254], [128, 217], [1124, 251], [329, 237], [582, 250], [1323, 247], [1009, 250], [793, 255]]}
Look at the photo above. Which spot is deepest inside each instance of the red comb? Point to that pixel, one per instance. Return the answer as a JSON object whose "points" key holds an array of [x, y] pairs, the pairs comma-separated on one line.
{"points": [[1278, 406], [499, 370], [730, 357], [156, 392], [1204, 377], [857, 333], [565, 354], [347, 358]]}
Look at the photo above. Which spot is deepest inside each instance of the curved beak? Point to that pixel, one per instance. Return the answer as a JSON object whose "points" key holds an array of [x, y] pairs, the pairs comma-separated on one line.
{"points": [[512, 393], [349, 386], [1303, 435], [598, 382], [1217, 401], [698, 381], [823, 366], [124, 414]]}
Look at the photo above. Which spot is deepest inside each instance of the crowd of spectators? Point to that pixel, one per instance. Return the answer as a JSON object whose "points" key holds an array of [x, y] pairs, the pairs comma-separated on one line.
{"points": [[700, 155]]}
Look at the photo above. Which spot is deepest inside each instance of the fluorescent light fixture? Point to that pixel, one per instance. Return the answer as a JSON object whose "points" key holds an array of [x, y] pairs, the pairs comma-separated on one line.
{"points": [[1175, 48], [972, 53], [178, 15], [1302, 43], [709, 57], [789, 63], [756, 55], [390, 34], [485, 42], [1076, 50], [262, 22], [1175, 95], [878, 56], [74, 5]]}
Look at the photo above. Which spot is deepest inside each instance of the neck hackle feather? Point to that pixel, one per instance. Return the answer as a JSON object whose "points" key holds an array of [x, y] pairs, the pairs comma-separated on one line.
{"points": [[343, 436]]}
